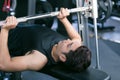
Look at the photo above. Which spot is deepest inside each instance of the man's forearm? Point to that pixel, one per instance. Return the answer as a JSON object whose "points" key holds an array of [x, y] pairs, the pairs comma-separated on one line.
{"points": [[62, 16], [4, 53], [73, 34], [0, 38]]}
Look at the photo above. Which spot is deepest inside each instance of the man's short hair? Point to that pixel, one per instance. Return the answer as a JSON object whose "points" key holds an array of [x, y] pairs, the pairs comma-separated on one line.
{"points": [[78, 60]]}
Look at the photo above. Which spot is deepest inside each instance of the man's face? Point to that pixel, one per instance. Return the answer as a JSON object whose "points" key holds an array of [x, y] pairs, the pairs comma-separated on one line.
{"points": [[66, 45]]}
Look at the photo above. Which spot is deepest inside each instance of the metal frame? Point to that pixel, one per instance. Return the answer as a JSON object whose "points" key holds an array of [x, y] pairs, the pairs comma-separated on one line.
{"points": [[83, 26]]}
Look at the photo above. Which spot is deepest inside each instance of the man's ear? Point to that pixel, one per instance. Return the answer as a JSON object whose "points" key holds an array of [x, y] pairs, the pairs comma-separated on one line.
{"points": [[62, 58]]}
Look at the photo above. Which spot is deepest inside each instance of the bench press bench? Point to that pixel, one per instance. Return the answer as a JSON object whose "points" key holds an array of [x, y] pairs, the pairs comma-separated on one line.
{"points": [[60, 73], [65, 74]]}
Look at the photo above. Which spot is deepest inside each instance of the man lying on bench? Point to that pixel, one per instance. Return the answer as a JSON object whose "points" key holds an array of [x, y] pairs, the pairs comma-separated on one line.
{"points": [[32, 48]]}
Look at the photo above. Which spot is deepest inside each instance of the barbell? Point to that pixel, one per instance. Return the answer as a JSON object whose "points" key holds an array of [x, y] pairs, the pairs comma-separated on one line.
{"points": [[51, 14]]}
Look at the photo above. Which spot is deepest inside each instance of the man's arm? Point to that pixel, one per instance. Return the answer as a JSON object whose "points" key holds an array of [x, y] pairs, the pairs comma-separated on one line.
{"points": [[33, 61], [73, 34]]}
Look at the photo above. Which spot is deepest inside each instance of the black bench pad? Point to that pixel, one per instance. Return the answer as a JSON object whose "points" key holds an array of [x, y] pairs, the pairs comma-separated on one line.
{"points": [[66, 74]]}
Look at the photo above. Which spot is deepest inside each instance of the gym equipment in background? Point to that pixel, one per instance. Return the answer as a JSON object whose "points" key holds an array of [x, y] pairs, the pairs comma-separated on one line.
{"points": [[41, 8], [104, 12]]}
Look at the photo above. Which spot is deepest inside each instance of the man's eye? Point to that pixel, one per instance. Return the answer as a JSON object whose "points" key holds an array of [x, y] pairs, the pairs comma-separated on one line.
{"points": [[70, 45]]}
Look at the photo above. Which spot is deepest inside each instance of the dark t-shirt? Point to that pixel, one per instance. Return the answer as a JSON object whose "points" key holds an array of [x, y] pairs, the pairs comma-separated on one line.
{"points": [[22, 40]]}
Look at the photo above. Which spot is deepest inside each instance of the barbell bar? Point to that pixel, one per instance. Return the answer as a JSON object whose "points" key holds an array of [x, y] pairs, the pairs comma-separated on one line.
{"points": [[51, 14]]}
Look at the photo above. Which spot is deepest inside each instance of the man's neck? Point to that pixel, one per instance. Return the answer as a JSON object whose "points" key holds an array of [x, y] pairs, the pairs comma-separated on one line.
{"points": [[53, 53]]}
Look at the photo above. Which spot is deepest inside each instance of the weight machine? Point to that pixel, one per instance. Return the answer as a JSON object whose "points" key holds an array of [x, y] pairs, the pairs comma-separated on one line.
{"points": [[87, 9]]}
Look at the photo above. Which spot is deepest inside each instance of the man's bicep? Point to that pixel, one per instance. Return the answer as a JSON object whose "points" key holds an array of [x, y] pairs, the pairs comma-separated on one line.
{"points": [[33, 61]]}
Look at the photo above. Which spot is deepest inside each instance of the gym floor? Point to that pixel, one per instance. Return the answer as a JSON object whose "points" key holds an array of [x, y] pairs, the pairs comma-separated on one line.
{"points": [[109, 44]]}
